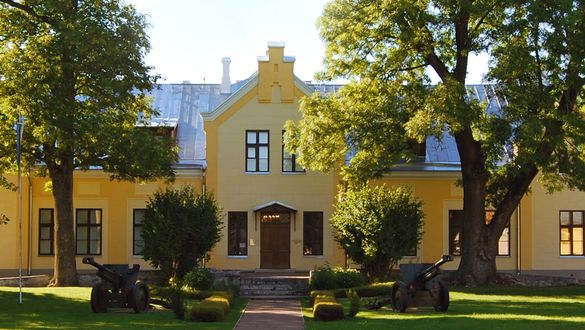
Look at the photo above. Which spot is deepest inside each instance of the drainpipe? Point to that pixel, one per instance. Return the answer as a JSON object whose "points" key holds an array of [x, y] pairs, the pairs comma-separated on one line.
{"points": [[203, 181], [518, 238], [30, 211]]}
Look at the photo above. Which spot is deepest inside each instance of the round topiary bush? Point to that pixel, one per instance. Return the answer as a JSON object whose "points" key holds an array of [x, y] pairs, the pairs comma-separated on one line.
{"points": [[199, 279]]}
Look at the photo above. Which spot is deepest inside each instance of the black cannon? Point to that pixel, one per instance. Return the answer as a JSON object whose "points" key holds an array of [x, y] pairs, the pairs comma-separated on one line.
{"points": [[118, 288], [421, 289]]}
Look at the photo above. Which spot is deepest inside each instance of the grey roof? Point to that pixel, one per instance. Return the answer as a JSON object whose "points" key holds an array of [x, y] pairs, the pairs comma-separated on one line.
{"points": [[181, 106]]}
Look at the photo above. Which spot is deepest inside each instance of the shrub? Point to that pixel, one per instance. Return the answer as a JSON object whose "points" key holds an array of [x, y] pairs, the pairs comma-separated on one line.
{"points": [[199, 279], [326, 278], [348, 278], [212, 309], [207, 312], [320, 294], [327, 310], [377, 227], [179, 228], [375, 290], [322, 279], [223, 302]]}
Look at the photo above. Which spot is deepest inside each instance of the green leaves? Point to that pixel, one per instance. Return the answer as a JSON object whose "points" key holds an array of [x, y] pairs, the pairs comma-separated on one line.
{"points": [[179, 228], [377, 227], [75, 70]]}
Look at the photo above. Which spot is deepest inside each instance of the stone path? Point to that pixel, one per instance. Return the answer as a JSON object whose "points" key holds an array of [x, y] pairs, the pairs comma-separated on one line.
{"points": [[263, 314]]}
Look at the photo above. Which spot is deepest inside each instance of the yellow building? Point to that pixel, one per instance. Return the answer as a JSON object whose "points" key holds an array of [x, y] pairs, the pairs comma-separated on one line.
{"points": [[276, 213]]}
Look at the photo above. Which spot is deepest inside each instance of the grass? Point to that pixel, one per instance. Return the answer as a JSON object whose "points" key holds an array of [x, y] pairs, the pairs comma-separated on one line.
{"points": [[476, 308], [58, 308]]}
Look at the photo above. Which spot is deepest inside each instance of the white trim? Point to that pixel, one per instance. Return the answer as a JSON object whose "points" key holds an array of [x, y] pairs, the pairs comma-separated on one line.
{"points": [[302, 86], [227, 104], [259, 207]]}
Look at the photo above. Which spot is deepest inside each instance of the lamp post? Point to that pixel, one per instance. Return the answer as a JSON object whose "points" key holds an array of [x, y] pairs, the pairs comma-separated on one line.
{"points": [[19, 128]]}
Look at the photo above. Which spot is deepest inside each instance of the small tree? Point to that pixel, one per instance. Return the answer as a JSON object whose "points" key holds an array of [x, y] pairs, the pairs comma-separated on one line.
{"points": [[179, 228], [377, 227]]}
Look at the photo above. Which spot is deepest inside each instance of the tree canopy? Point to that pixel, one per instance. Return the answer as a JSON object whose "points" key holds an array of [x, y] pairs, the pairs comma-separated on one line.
{"points": [[75, 70], [387, 50]]}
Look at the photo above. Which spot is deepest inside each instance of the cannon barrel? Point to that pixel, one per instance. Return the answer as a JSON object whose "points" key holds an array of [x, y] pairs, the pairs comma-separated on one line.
{"points": [[105, 273], [432, 271]]}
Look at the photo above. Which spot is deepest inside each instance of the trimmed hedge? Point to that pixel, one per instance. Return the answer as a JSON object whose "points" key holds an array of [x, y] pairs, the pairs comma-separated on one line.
{"points": [[372, 290], [325, 307], [207, 312], [213, 308]]}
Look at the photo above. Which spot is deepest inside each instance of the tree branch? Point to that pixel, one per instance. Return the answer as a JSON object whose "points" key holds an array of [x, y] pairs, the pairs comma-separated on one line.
{"points": [[438, 65], [27, 9], [485, 15]]}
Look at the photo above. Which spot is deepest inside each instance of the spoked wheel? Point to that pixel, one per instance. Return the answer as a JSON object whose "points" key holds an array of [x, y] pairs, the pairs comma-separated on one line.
{"points": [[140, 297], [399, 297], [99, 298], [442, 296]]}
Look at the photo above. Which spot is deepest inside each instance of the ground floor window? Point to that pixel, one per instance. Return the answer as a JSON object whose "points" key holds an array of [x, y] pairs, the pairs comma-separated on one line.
{"points": [[137, 241], [89, 231], [313, 233], [237, 233], [456, 227], [46, 231], [571, 233]]}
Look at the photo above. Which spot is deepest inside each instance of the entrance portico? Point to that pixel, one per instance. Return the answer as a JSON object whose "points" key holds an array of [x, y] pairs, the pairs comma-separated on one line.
{"points": [[275, 234]]}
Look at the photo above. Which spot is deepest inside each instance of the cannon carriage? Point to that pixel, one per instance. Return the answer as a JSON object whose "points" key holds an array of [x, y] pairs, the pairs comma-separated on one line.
{"points": [[118, 289], [420, 288]]}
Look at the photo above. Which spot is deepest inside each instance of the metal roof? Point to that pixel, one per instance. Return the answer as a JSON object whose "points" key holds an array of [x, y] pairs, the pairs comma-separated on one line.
{"points": [[181, 106]]}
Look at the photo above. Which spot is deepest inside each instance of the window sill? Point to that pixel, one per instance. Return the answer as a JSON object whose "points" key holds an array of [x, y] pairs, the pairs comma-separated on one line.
{"points": [[294, 173], [572, 257], [257, 173], [318, 256], [237, 257]]}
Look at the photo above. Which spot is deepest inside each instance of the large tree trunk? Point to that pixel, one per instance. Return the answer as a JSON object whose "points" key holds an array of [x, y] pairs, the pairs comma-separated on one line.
{"points": [[478, 252], [65, 269]]}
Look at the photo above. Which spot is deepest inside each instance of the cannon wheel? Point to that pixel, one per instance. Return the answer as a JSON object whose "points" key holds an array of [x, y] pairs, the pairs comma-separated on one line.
{"points": [[99, 298], [140, 297], [442, 303], [399, 297]]}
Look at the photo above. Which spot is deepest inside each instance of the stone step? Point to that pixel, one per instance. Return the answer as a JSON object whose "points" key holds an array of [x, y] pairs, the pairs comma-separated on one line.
{"points": [[274, 286], [266, 293]]}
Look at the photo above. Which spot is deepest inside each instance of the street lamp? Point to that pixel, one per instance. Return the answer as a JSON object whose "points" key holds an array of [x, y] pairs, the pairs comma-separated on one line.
{"points": [[19, 128]]}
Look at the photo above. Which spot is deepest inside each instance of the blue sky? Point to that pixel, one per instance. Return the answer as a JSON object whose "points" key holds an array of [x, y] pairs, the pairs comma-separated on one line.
{"points": [[189, 37]]}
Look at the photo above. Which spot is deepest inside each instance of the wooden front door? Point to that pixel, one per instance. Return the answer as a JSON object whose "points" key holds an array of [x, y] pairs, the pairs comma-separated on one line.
{"points": [[275, 241]]}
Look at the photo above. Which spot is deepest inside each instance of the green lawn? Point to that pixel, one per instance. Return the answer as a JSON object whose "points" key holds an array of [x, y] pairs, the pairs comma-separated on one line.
{"points": [[478, 308], [68, 308]]}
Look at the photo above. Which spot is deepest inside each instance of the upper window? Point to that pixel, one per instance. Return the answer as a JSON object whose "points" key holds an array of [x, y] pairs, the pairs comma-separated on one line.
{"points": [[237, 233], [257, 144], [89, 231], [289, 161], [46, 231], [137, 241], [456, 226], [313, 233], [571, 226]]}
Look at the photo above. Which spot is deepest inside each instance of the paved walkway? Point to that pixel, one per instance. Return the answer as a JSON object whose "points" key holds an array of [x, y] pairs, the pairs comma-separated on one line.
{"points": [[263, 314]]}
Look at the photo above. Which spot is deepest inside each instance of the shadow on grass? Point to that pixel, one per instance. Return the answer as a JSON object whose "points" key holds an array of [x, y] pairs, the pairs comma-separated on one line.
{"points": [[52, 311], [499, 308]]}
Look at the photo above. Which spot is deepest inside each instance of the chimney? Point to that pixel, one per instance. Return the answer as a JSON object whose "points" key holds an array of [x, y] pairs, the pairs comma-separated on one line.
{"points": [[225, 79]]}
